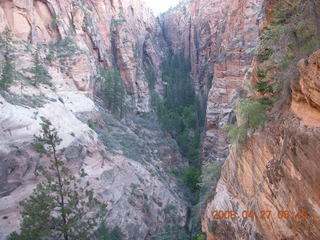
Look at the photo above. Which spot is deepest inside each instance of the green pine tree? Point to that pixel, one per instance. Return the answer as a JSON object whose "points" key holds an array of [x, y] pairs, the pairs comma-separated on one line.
{"points": [[115, 92], [59, 206], [7, 75], [6, 41], [8, 69], [40, 73]]}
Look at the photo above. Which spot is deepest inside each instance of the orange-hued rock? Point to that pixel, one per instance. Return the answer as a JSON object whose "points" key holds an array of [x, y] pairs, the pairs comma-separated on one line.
{"points": [[309, 81], [277, 169]]}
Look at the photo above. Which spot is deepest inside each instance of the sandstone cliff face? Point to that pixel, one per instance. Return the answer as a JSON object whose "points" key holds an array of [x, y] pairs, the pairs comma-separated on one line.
{"points": [[277, 170], [115, 33], [127, 161]]}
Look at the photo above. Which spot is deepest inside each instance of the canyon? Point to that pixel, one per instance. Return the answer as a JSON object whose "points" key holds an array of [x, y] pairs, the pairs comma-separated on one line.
{"points": [[129, 161]]}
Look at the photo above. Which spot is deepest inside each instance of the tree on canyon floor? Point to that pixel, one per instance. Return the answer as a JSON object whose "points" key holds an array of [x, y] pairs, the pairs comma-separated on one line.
{"points": [[61, 207], [180, 115], [179, 111]]}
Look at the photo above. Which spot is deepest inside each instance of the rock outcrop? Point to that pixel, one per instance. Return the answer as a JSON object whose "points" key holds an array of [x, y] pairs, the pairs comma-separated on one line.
{"points": [[127, 161]]}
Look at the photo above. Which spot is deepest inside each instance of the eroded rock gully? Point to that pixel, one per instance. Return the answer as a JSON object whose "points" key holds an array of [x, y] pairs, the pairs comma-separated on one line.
{"points": [[128, 161]]}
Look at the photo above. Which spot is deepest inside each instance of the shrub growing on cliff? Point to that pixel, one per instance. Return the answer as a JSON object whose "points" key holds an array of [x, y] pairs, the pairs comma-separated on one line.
{"points": [[7, 75], [63, 49], [292, 34], [252, 113], [58, 207], [264, 87], [200, 236], [151, 76], [261, 73], [173, 232], [236, 134]]}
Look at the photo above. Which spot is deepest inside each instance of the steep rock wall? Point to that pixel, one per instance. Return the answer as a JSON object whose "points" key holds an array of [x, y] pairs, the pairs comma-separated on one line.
{"points": [[277, 170]]}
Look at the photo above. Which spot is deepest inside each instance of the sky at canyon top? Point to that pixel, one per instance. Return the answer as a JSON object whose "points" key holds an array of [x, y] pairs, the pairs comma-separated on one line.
{"points": [[160, 6]]}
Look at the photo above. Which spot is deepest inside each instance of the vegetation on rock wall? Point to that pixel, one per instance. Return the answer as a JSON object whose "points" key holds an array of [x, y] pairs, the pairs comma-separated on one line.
{"points": [[104, 233], [62, 49], [174, 232], [252, 112], [291, 34]]}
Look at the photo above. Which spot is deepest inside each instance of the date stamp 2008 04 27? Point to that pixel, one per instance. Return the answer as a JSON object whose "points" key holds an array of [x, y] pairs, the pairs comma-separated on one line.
{"points": [[262, 214]]}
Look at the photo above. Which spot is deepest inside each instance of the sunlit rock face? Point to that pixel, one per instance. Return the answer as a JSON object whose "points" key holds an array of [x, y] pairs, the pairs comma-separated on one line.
{"points": [[128, 161]]}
